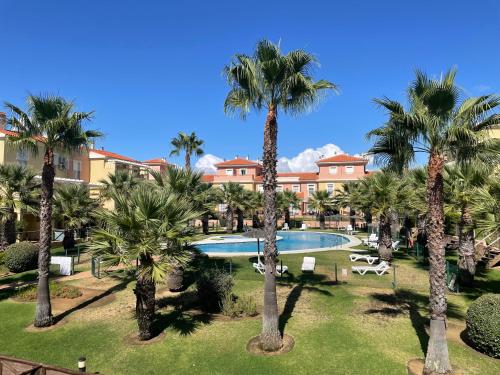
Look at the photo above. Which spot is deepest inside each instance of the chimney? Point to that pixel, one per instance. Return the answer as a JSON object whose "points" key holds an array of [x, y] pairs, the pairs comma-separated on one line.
{"points": [[236, 157], [3, 120], [248, 157], [102, 148]]}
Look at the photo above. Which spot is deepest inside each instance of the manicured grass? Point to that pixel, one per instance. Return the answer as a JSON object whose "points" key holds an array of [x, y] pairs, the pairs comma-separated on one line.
{"points": [[362, 326]]}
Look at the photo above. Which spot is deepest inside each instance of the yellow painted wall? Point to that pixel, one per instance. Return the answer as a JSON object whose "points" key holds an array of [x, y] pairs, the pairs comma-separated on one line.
{"points": [[100, 169]]}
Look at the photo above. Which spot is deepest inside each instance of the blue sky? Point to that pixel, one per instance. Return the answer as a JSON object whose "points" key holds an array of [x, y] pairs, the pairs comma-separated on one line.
{"points": [[152, 68]]}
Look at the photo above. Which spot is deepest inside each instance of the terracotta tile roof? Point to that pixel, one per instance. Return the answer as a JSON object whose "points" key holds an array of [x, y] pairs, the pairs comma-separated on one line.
{"points": [[342, 158], [208, 178], [112, 155], [156, 161], [11, 133], [237, 161]]}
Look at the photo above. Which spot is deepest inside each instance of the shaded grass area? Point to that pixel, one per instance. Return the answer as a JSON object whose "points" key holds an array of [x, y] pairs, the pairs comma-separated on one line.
{"points": [[360, 326]]}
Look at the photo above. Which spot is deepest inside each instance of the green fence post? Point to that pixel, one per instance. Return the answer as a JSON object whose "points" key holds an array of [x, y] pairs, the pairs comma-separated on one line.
{"points": [[394, 277]]}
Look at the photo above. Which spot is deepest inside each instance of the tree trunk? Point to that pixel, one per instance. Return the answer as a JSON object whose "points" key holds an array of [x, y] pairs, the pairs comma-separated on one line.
{"points": [[187, 161], [204, 223], [466, 248], [421, 230], [270, 336], [10, 226], [287, 216], [175, 278], [69, 239], [322, 220], [229, 220], [385, 239], [437, 359], [239, 220], [145, 290], [255, 220], [352, 219], [43, 313]]}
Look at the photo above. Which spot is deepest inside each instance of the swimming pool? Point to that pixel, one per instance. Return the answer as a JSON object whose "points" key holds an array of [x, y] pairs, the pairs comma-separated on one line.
{"points": [[289, 242]]}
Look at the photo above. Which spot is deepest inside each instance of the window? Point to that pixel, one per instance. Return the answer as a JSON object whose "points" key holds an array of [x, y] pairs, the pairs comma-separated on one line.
{"points": [[332, 170], [279, 188], [330, 188], [22, 157], [260, 188], [310, 189], [349, 169], [77, 168], [60, 161], [229, 172], [243, 172], [296, 188]]}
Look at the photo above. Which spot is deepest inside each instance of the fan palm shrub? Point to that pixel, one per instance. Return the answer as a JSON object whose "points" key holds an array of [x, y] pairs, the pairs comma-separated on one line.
{"points": [[272, 81], [49, 121], [321, 201], [232, 196], [288, 200], [446, 128], [150, 225]]}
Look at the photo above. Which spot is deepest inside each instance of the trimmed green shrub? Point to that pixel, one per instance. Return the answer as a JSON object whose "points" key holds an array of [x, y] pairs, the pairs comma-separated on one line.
{"points": [[212, 287], [28, 293], [233, 306], [21, 256], [483, 328], [2, 258]]}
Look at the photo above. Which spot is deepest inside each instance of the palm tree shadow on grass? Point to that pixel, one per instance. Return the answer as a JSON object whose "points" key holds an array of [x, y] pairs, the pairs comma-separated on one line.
{"points": [[294, 295], [408, 302]]}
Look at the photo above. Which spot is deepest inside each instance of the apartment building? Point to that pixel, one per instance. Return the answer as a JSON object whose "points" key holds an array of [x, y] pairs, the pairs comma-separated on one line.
{"points": [[332, 173]]}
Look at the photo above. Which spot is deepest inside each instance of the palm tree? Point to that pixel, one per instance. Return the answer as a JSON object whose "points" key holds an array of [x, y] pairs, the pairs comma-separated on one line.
{"points": [[190, 143], [286, 200], [439, 125], [344, 199], [122, 182], [231, 194], [321, 201], [272, 81], [461, 184], [386, 194], [150, 225], [255, 204], [73, 207], [51, 122], [206, 198], [18, 189]]}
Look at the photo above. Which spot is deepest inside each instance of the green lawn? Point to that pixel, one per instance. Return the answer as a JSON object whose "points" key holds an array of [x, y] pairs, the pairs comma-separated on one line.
{"points": [[362, 326]]}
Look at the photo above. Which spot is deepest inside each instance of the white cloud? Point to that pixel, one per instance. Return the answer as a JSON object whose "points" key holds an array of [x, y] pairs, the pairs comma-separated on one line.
{"points": [[207, 163], [306, 160]]}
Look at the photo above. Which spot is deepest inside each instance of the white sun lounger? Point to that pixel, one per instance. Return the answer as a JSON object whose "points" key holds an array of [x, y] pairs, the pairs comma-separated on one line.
{"points": [[285, 227], [308, 264], [304, 226], [373, 238], [260, 267], [379, 269], [368, 258], [395, 245]]}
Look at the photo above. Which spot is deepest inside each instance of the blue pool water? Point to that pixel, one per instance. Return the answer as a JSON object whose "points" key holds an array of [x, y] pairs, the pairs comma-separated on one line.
{"points": [[291, 241]]}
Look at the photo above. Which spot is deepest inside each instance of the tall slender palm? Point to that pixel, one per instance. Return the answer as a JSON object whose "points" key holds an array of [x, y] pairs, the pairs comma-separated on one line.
{"points": [[255, 204], [321, 201], [231, 194], [190, 144], [461, 184], [206, 197], [286, 200], [18, 189], [151, 225], [438, 124], [344, 199], [52, 122], [272, 81], [73, 208], [122, 182]]}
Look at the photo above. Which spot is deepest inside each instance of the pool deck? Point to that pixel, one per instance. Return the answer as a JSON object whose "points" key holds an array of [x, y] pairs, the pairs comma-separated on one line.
{"points": [[353, 241]]}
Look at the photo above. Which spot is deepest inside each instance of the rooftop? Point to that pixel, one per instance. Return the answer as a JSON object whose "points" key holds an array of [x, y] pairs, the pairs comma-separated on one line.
{"points": [[113, 155], [156, 161], [342, 158], [238, 162]]}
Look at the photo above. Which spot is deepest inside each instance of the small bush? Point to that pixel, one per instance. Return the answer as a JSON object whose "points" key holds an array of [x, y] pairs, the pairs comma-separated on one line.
{"points": [[233, 306], [2, 258], [57, 290], [212, 287], [483, 328], [21, 256]]}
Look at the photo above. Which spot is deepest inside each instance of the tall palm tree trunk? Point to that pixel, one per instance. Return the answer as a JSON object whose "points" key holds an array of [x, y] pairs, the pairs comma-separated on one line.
{"points": [[145, 290], [385, 239], [270, 336], [43, 313], [255, 220], [287, 216], [10, 226], [187, 161], [437, 359], [204, 223], [322, 220], [466, 248], [239, 220], [229, 220]]}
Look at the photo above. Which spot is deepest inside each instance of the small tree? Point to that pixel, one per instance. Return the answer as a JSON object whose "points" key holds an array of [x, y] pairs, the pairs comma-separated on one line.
{"points": [[232, 197], [321, 201], [286, 200], [190, 144], [150, 225]]}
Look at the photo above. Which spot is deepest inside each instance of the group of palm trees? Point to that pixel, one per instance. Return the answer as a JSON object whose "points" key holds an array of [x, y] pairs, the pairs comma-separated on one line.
{"points": [[152, 220]]}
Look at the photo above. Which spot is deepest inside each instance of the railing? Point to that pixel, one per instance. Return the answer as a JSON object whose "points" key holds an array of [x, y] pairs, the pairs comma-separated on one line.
{"points": [[11, 365]]}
